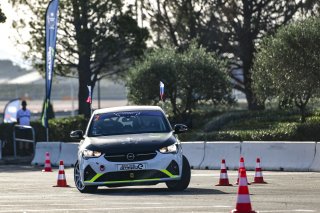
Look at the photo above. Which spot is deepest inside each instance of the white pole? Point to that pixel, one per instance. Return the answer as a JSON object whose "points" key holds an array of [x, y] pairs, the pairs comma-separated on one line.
{"points": [[72, 98], [47, 132]]}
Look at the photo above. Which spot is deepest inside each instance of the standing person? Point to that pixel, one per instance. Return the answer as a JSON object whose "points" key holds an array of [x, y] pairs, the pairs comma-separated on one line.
{"points": [[23, 115], [23, 118]]}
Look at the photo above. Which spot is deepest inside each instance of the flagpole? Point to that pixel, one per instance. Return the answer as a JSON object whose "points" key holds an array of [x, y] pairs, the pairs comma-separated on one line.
{"points": [[45, 109], [47, 133], [51, 18], [90, 108], [44, 118], [47, 122]]}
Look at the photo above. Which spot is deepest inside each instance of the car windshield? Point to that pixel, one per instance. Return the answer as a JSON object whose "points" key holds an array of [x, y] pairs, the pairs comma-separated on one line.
{"points": [[129, 122]]}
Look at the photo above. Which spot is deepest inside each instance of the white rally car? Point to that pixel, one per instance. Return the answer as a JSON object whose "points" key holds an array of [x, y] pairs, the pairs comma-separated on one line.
{"points": [[132, 145]]}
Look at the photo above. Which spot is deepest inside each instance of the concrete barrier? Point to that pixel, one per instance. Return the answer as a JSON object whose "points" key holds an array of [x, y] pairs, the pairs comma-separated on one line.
{"points": [[41, 148], [69, 153], [194, 151], [216, 151], [286, 156], [315, 167]]}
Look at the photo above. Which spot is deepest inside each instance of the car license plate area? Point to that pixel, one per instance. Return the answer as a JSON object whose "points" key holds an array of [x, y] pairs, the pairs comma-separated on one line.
{"points": [[132, 166]]}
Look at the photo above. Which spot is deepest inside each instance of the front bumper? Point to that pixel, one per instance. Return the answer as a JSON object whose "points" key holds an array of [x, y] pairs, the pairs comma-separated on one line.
{"points": [[162, 168]]}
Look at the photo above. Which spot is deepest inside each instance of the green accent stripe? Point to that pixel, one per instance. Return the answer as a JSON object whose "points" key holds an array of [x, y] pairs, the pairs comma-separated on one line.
{"points": [[126, 181], [168, 173], [132, 181], [94, 178]]}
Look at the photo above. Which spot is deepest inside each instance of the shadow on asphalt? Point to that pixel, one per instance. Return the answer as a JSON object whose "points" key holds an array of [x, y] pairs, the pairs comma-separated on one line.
{"points": [[20, 168], [155, 191]]}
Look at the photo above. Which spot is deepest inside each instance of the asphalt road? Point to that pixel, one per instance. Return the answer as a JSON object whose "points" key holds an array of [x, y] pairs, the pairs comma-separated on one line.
{"points": [[27, 189]]}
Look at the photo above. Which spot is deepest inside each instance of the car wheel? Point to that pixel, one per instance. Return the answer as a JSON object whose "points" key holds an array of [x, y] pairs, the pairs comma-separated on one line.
{"points": [[183, 183], [80, 186]]}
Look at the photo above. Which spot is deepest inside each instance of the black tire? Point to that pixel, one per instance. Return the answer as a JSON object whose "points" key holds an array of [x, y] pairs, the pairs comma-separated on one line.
{"points": [[183, 183], [77, 180]]}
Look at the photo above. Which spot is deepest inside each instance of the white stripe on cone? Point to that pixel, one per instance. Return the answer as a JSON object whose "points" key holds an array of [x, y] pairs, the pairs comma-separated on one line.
{"points": [[243, 198], [243, 182], [223, 176], [61, 177], [258, 174], [61, 167]]}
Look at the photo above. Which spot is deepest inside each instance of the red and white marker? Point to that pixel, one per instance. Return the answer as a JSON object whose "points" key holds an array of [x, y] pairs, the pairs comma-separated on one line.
{"points": [[241, 166], [243, 198], [223, 181], [47, 163], [61, 182], [258, 178]]}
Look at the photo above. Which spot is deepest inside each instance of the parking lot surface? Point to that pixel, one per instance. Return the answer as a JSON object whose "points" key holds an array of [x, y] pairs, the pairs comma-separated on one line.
{"points": [[27, 189]]}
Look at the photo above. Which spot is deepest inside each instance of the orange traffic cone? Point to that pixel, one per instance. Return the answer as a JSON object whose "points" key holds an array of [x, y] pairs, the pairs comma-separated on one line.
{"points": [[258, 178], [61, 182], [223, 181], [47, 164], [241, 166], [243, 198]]}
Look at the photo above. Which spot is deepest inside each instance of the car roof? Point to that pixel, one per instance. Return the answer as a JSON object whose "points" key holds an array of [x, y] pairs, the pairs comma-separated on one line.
{"points": [[126, 108]]}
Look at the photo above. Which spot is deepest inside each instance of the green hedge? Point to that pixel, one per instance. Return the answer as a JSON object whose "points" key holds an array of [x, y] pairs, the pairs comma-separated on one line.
{"points": [[59, 130], [262, 129]]}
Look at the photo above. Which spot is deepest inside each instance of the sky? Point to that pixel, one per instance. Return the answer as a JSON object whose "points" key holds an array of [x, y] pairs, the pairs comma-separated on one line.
{"points": [[8, 48]]}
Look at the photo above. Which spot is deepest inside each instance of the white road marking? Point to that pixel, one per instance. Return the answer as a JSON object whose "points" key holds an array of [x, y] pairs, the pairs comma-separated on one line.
{"points": [[115, 208], [294, 210], [74, 204], [154, 207], [217, 174]]}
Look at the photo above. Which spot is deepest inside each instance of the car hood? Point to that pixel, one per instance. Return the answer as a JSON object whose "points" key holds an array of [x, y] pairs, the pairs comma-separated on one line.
{"points": [[116, 144]]}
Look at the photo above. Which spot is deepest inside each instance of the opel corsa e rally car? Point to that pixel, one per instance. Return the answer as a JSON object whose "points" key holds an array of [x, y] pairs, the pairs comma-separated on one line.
{"points": [[133, 145]]}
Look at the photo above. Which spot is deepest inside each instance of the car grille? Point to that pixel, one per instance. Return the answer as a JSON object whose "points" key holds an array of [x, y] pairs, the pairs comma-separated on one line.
{"points": [[124, 157], [131, 175]]}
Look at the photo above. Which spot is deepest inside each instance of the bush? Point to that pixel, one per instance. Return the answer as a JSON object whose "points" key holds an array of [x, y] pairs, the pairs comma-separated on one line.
{"points": [[258, 126], [309, 130], [59, 130]]}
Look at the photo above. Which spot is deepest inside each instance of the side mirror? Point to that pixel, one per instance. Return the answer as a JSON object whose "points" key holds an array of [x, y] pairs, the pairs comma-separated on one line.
{"points": [[77, 134], [180, 128]]}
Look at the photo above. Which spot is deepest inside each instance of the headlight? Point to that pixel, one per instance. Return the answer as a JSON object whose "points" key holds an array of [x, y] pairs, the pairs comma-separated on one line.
{"points": [[169, 149], [89, 153]]}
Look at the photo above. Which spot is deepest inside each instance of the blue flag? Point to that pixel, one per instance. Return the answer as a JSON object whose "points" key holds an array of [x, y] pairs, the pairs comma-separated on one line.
{"points": [[51, 37]]}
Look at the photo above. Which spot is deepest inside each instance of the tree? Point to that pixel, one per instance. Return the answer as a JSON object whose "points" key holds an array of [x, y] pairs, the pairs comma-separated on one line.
{"points": [[190, 77], [287, 65], [231, 27], [96, 39], [2, 16]]}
